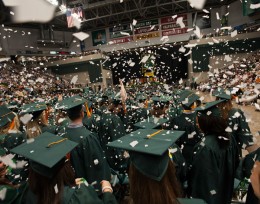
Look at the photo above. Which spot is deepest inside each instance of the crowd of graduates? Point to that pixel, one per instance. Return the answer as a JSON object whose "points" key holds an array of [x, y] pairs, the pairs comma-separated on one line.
{"points": [[242, 77], [154, 144]]}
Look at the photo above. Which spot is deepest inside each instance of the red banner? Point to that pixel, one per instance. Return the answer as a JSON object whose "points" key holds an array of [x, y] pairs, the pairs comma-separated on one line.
{"points": [[122, 40], [176, 31], [171, 20]]}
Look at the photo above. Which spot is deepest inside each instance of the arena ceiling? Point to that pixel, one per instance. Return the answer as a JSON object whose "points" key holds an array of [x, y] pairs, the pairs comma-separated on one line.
{"points": [[106, 13]]}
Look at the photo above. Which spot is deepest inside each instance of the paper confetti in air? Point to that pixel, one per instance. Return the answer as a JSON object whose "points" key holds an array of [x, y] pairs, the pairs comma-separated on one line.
{"points": [[172, 151], [74, 79], [56, 189], [213, 192], [96, 161], [125, 33], [134, 22], [26, 118], [145, 58], [33, 11], [255, 6], [233, 33], [81, 35], [3, 193], [41, 80], [197, 4], [228, 129], [180, 22], [134, 143]]}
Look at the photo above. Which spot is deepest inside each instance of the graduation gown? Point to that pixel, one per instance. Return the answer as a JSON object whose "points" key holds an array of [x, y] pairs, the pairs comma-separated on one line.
{"points": [[240, 128], [186, 122], [11, 140], [78, 195], [87, 158], [211, 177], [92, 123], [112, 128]]}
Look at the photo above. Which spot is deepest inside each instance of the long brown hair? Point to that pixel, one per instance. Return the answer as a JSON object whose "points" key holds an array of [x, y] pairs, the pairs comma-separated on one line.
{"points": [[11, 126], [224, 108], [43, 187], [146, 190]]}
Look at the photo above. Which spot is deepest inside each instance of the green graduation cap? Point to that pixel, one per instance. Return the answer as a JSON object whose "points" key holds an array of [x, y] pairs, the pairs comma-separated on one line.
{"points": [[210, 108], [70, 102], [188, 98], [183, 94], [148, 150], [33, 107], [6, 115], [151, 123], [45, 153], [222, 94]]}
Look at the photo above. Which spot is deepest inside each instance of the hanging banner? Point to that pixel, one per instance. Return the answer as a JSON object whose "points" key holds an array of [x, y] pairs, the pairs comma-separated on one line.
{"points": [[147, 23], [147, 29], [169, 25], [99, 37], [176, 31], [147, 36], [122, 40]]}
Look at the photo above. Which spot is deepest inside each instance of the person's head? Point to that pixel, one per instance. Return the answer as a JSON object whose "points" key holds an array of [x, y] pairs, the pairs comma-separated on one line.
{"points": [[49, 170], [210, 122], [76, 113], [224, 108], [44, 187], [152, 174], [146, 190]]}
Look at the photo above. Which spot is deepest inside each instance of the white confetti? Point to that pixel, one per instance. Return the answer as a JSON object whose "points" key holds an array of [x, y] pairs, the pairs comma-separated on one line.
{"points": [[180, 22], [56, 189], [134, 22], [172, 151], [31, 140], [96, 161], [81, 35], [197, 4], [3, 193], [228, 129], [213, 192], [134, 143], [33, 11], [26, 118], [74, 79], [233, 33], [255, 6]]}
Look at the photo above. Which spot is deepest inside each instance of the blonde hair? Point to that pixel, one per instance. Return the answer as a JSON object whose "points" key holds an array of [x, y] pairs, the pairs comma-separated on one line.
{"points": [[33, 127]]}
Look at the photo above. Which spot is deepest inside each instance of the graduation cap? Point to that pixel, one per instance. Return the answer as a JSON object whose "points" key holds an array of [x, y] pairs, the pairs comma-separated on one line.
{"points": [[33, 107], [70, 103], [6, 115], [151, 123], [148, 150], [222, 94], [188, 98], [210, 108], [46, 153]]}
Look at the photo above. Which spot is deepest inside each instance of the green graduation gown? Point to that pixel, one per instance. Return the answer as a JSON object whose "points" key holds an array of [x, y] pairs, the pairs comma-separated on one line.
{"points": [[112, 128], [87, 158], [11, 140], [240, 128], [186, 122], [211, 177], [77, 195]]}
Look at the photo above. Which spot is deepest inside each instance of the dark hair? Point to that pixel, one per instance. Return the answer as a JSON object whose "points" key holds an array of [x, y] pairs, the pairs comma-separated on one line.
{"points": [[224, 108], [146, 190], [213, 125], [75, 112], [43, 187]]}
